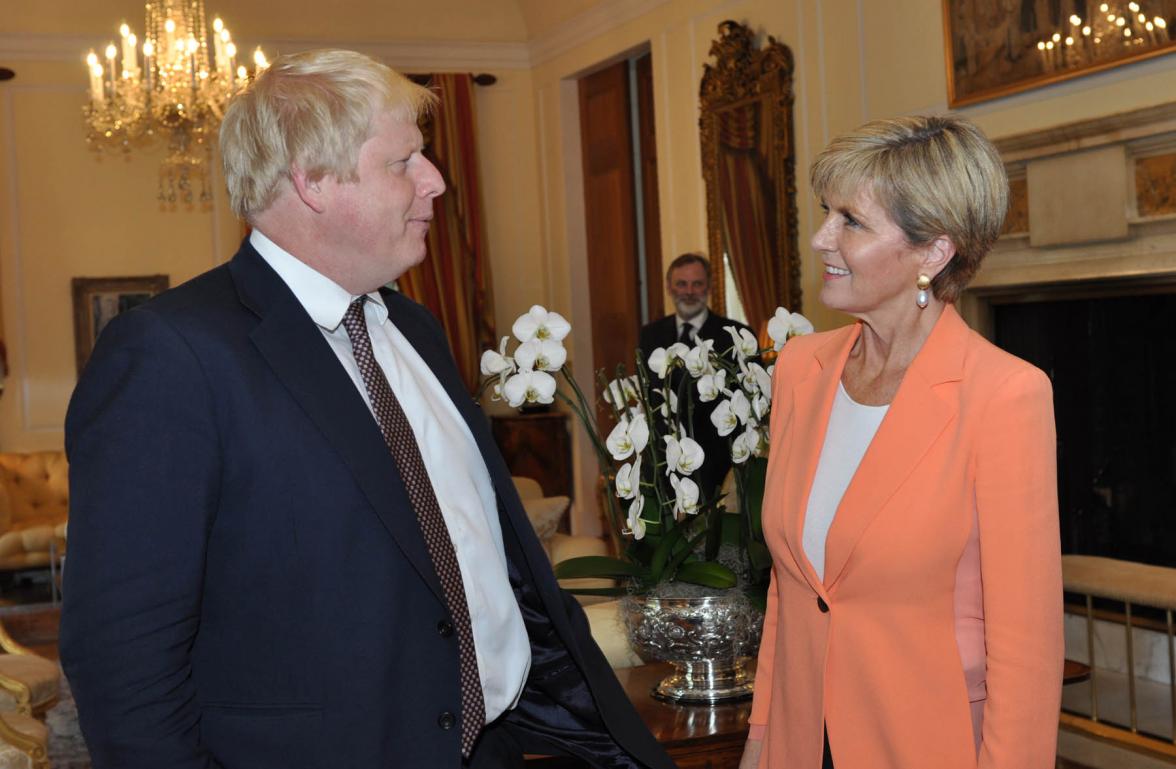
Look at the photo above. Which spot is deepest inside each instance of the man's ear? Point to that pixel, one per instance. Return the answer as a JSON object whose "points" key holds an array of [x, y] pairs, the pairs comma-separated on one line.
{"points": [[310, 191], [937, 254]]}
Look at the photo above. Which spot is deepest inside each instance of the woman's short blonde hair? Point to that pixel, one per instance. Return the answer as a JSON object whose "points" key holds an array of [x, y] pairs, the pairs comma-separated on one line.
{"points": [[933, 176], [313, 110]]}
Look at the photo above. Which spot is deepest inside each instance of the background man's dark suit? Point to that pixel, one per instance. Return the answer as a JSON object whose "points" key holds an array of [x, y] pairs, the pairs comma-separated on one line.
{"points": [[248, 587], [663, 333]]}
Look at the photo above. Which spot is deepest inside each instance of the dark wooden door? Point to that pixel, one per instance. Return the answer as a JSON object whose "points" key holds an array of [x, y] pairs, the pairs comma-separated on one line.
{"points": [[610, 215]]}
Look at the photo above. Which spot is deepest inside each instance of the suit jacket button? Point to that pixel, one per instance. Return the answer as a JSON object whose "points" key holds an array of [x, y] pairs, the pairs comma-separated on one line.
{"points": [[446, 720], [445, 628], [824, 607]]}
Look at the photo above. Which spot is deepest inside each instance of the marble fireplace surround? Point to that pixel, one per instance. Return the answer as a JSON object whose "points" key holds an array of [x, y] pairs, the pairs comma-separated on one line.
{"points": [[1093, 210]]}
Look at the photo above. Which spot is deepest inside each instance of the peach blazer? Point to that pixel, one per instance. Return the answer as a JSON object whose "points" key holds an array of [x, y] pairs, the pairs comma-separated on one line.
{"points": [[966, 451]]}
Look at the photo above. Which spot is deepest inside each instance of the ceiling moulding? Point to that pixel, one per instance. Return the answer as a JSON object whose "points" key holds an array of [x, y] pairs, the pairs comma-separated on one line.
{"points": [[591, 24], [421, 54], [412, 54]]}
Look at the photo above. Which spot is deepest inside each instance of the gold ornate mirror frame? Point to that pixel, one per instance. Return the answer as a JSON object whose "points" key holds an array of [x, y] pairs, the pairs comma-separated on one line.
{"points": [[749, 168]]}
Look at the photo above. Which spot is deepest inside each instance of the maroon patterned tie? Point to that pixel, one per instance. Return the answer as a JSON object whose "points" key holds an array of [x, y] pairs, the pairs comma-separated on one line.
{"points": [[407, 454]]}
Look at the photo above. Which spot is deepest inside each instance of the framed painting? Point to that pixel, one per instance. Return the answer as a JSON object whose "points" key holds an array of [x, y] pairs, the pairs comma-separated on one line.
{"points": [[998, 47], [96, 301]]}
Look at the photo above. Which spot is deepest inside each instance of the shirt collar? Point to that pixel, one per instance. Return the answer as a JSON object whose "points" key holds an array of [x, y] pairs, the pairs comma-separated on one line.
{"points": [[323, 299], [696, 321]]}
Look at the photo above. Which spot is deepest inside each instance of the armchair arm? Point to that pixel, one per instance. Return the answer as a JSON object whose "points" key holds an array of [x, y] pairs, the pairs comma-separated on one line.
{"points": [[20, 692], [28, 744], [10, 644]]}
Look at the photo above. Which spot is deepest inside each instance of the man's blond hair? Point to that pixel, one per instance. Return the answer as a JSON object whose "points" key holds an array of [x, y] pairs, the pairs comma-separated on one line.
{"points": [[313, 111]]}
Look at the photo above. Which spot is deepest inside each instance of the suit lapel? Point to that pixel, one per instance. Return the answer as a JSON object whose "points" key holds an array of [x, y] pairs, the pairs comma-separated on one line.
{"points": [[917, 416], [812, 402], [294, 348]]}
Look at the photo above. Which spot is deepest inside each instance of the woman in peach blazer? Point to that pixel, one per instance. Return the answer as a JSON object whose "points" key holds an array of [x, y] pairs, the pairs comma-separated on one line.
{"points": [[915, 611]]}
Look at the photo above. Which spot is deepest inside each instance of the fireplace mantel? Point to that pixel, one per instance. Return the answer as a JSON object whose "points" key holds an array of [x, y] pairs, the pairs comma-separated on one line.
{"points": [[1114, 177]]}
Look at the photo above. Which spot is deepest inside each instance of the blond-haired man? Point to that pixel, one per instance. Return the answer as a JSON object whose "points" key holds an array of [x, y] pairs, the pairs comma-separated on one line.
{"points": [[293, 542]]}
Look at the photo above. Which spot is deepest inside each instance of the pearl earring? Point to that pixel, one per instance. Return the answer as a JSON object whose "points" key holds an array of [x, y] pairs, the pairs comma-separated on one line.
{"points": [[923, 283]]}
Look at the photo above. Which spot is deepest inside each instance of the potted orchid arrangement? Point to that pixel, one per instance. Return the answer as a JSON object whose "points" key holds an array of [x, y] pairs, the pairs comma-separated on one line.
{"points": [[667, 529]]}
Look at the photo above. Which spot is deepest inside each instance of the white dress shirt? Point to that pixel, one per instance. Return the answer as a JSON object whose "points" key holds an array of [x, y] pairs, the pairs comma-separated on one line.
{"points": [[851, 429], [454, 463]]}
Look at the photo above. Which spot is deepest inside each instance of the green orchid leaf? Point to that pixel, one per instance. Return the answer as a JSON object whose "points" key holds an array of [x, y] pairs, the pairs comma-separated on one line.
{"points": [[758, 554], [597, 566], [707, 574]]}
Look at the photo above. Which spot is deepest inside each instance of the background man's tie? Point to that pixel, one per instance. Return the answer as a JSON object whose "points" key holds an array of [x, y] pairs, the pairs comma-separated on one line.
{"points": [[407, 454], [686, 335]]}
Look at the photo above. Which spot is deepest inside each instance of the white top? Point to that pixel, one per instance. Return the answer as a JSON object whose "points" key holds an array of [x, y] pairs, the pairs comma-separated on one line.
{"points": [[455, 466], [851, 428]]}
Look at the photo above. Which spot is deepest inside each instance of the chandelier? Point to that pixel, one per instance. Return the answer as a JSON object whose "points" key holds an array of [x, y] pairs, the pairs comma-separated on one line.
{"points": [[1107, 34], [174, 86]]}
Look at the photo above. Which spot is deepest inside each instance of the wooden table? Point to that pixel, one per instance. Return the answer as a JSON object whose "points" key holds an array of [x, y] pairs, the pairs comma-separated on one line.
{"points": [[695, 737]]}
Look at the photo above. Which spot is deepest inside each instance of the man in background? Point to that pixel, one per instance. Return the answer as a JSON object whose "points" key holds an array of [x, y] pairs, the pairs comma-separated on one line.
{"points": [[688, 282], [293, 542]]}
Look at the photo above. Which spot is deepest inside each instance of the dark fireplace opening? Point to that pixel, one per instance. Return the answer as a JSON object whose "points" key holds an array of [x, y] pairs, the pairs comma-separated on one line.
{"points": [[1112, 360]]}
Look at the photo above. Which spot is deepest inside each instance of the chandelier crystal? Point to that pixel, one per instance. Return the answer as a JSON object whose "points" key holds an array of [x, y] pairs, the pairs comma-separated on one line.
{"points": [[172, 86]]}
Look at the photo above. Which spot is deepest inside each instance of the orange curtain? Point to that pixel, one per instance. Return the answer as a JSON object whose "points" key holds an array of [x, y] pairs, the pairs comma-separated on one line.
{"points": [[454, 280], [749, 213]]}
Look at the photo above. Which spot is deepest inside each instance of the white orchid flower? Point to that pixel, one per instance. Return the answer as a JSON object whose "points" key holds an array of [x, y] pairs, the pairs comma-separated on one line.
{"points": [[497, 362], [634, 521], [669, 402], [540, 324], [628, 481], [685, 496], [785, 325], [760, 406], [529, 387], [628, 437], [661, 360], [745, 343], [724, 419], [761, 379], [541, 354], [698, 361], [740, 449], [683, 455], [621, 392], [757, 440], [710, 386], [740, 406]]}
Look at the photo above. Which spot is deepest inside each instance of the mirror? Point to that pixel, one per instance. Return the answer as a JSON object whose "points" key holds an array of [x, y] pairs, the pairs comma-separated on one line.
{"points": [[749, 168]]}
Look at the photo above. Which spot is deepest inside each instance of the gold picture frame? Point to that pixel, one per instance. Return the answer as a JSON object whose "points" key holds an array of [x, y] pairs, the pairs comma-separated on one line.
{"points": [[994, 48], [96, 301]]}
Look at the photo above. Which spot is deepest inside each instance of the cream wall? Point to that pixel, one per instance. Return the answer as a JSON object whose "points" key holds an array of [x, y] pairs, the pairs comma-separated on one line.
{"points": [[66, 212]]}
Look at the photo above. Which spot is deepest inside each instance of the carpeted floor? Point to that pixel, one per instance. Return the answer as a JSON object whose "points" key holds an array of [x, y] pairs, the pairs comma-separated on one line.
{"points": [[67, 750]]}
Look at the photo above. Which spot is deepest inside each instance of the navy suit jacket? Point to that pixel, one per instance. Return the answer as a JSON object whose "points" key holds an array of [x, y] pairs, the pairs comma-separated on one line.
{"points": [[248, 587]]}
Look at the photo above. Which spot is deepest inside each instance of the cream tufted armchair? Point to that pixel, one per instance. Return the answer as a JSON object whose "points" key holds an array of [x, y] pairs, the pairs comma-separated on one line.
{"points": [[34, 508], [24, 742]]}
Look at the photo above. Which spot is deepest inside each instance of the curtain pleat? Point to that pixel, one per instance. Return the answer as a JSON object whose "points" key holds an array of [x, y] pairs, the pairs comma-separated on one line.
{"points": [[749, 213], [454, 280]]}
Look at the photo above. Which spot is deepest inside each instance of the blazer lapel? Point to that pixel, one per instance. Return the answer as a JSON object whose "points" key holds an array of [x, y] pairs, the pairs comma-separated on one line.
{"points": [[294, 348], [812, 402], [917, 416]]}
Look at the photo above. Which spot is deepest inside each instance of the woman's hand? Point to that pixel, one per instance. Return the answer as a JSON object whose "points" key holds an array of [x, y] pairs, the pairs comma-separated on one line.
{"points": [[751, 754]]}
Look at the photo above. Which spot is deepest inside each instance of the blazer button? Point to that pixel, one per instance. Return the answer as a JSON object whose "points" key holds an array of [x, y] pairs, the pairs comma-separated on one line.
{"points": [[446, 720], [445, 628], [824, 607]]}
